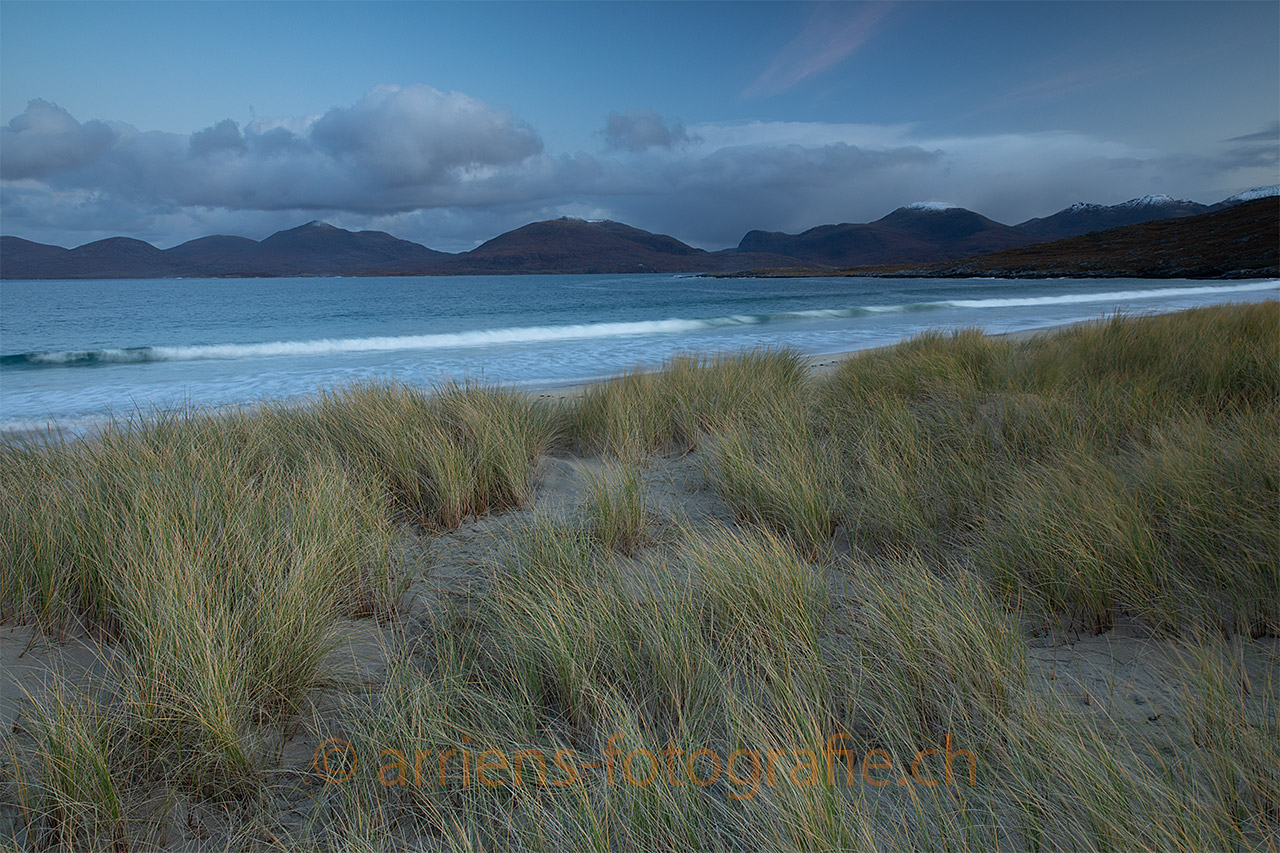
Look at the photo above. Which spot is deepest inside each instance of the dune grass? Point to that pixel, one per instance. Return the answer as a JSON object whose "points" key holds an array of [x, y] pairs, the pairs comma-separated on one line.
{"points": [[1085, 473], [774, 691], [635, 416], [617, 511], [217, 553]]}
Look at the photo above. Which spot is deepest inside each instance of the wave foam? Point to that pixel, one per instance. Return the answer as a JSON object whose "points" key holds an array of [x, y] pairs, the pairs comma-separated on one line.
{"points": [[1111, 296]]}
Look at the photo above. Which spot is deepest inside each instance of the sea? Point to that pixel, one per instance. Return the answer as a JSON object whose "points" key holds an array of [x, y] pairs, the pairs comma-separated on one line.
{"points": [[74, 354]]}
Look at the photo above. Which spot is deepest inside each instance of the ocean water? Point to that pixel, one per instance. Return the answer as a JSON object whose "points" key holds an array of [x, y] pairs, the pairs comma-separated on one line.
{"points": [[76, 352]]}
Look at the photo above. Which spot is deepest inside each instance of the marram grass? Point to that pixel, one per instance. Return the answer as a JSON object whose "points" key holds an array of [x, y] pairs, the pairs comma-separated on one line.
{"points": [[771, 687]]}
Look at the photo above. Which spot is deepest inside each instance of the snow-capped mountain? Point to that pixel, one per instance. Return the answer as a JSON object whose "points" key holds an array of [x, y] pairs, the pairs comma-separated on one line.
{"points": [[930, 205], [1155, 200], [1083, 217], [1249, 195]]}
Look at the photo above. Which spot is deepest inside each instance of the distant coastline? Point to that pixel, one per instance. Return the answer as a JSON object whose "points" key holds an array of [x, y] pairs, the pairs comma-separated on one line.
{"points": [[1233, 238]]}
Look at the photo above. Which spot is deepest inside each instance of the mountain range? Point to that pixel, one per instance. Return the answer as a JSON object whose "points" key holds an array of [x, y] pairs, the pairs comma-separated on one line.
{"points": [[1240, 240], [916, 234]]}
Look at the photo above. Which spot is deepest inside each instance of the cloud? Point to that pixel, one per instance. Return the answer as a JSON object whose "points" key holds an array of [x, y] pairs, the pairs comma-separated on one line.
{"points": [[222, 137], [1253, 151], [638, 130], [833, 31], [45, 139], [395, 149], [449, 171], [1270, 133], [1075, 79], [417, 134]]}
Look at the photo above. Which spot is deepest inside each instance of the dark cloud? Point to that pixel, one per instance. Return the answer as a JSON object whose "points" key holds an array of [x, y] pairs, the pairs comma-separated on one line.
{"points": [[1251, 157], [45, 140], [639, 130], [1271, 133], [223, 137]]}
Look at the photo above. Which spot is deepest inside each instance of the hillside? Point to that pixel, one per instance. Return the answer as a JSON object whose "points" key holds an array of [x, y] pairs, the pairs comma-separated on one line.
{"points": [[319, 249], [914, 233], [1083, 218], [570, 245], [1241, 241]]}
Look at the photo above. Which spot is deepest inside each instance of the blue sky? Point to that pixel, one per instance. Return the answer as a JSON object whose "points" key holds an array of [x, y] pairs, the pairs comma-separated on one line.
{"points": [[449, 123]]}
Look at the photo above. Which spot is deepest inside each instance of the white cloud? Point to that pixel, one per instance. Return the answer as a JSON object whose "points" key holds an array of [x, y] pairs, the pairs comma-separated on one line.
{"points": [[417, 134]]}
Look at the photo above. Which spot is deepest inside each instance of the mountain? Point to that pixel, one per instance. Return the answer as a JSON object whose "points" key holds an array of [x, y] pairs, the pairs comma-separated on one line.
{"points": [[1082, 218], [1239, 241], [316, 248], [1249, 195], [925, 231], [209, 256], [20, 257], [319, 248], [555, 246], [919, 233], [570, 245], [114, 257]]}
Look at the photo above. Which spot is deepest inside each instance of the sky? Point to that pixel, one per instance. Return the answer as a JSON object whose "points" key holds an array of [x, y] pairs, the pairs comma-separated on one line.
{"points": [[449, 123]]}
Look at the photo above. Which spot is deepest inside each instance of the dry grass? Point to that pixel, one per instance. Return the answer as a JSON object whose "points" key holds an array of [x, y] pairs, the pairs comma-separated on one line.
{"points": [[1123, 469]]}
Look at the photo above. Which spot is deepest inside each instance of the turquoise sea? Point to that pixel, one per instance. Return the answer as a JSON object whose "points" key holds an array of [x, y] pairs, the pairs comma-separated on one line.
{"points": [[75, 352]]}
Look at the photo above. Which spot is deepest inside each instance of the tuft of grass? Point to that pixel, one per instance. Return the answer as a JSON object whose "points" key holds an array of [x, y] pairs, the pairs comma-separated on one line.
{"points": [[1235, 724], [637, 415], [761, 597], [502, 433], [73, 790], [617, 512], [941, 657], [781, 474], [463, 450], [1066, 538], [1212, 494]]}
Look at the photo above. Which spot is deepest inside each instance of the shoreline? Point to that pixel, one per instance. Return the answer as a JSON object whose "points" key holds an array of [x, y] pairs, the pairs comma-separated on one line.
{"points": [[817, 364]]}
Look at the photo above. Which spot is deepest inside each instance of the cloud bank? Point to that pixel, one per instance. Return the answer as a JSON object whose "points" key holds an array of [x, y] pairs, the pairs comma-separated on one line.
{"points": [[449, 171]]}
